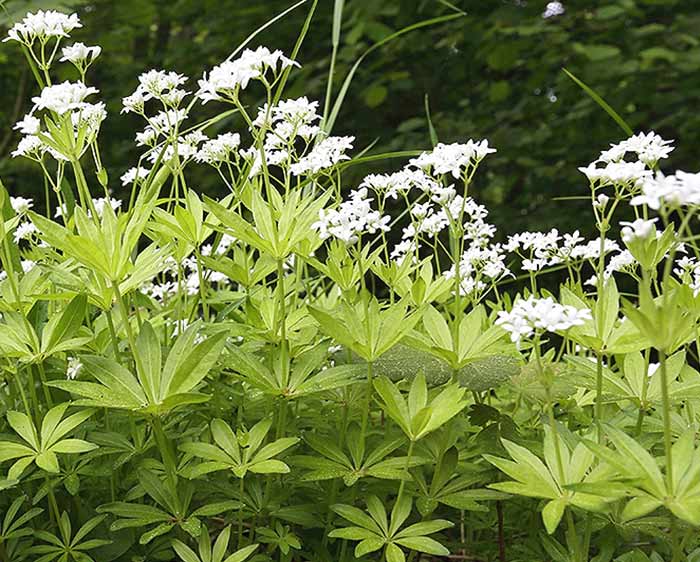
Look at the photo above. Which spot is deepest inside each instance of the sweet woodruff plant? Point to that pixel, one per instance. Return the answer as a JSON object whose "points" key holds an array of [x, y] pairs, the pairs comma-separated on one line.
{"points": [[312, 370]]}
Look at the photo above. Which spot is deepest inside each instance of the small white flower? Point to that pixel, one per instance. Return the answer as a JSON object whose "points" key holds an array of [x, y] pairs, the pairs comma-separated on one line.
{"points": [[42, 25], [639, 229], [74, 367], [21, 204], [24, 231], [324, 155], [63, 97], [226, 79], [132, 174], [553, 9], [29, 125], [78, 53], [532, 315]]}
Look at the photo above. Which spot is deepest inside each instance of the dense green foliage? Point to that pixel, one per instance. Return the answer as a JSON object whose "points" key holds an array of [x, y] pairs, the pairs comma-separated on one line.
{"points": [[495, 73], [262, 353]]}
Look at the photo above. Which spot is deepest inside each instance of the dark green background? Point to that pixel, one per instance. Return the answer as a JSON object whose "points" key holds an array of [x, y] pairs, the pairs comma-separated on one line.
{"points": [[495, 73]]}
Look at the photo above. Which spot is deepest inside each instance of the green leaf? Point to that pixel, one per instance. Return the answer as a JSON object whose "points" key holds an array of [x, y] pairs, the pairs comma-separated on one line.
{"points": [[552, 514], [64, 326], [148, 362], [424, 544]]}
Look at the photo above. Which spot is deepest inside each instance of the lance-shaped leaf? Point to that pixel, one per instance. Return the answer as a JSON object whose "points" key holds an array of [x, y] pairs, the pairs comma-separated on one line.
{"points": [[239, 453], [43, 447]]}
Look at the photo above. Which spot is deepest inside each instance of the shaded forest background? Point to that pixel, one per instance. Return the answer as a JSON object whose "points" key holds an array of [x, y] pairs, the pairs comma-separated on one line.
{"points": [[495, 73]]}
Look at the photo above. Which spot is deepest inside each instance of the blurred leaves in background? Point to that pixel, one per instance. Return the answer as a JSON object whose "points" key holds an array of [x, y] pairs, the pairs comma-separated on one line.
{"points": [[495, 73]]}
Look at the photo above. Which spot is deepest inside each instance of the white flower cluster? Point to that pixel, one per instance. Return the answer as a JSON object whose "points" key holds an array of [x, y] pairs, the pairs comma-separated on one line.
{"points": [[226, 79], [532, 315], [539, 250], [649, 149], [326, 154], [219, 150], [42, 25], [681, 189], [611, 168], [64, 97], [86, 119], [688, 271], [80, 55], [159, 85], [351, 219], [134, 175], [478, 265], [455, 158], [161, 290], [73, 368], [553, 9], [639, 229], [401, 182], [289, 129], [25, 229]]}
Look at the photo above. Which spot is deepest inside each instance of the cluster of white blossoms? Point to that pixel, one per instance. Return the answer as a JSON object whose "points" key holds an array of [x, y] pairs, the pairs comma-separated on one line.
{"points": [[225, 80], [80, 55], [681, 189], [219, 150], [533, 315], [649, 149], [159, 85], [539, 250], [479, 267], [73, 368], [324, 155], [25, 230], [639, 229], [64, 97], [42, 25], [351, 219], [61, 99], [289, 128], [134, 175], [455, 158], [185, 275], [688, 271], [611, 168]]}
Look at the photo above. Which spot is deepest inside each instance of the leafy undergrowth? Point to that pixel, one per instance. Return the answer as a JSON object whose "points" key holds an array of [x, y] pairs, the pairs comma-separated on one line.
{"points": [[302, 372]]}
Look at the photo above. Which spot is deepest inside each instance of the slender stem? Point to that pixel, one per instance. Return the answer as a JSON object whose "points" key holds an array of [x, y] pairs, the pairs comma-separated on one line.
{"points": [[406, 473], [667, 422], [113, 334], [368, 402], [44, 385], [282, 322], [52, 501], [599, 396], [125, 317], [166, 452], [241, 490]]}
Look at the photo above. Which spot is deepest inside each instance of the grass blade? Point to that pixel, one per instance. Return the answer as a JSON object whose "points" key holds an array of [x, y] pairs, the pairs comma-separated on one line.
{"points": [[328, 125], [602, 103]]}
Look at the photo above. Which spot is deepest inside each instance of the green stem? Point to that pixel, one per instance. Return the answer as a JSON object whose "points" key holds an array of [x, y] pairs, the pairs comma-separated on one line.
{"points": [[125, 318], [45, 385], [406, 472], [667, 422], [241, 490], [52, 501], [113, 335], [599, 396], [368, 402], [282, 323], [166, 452]]}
